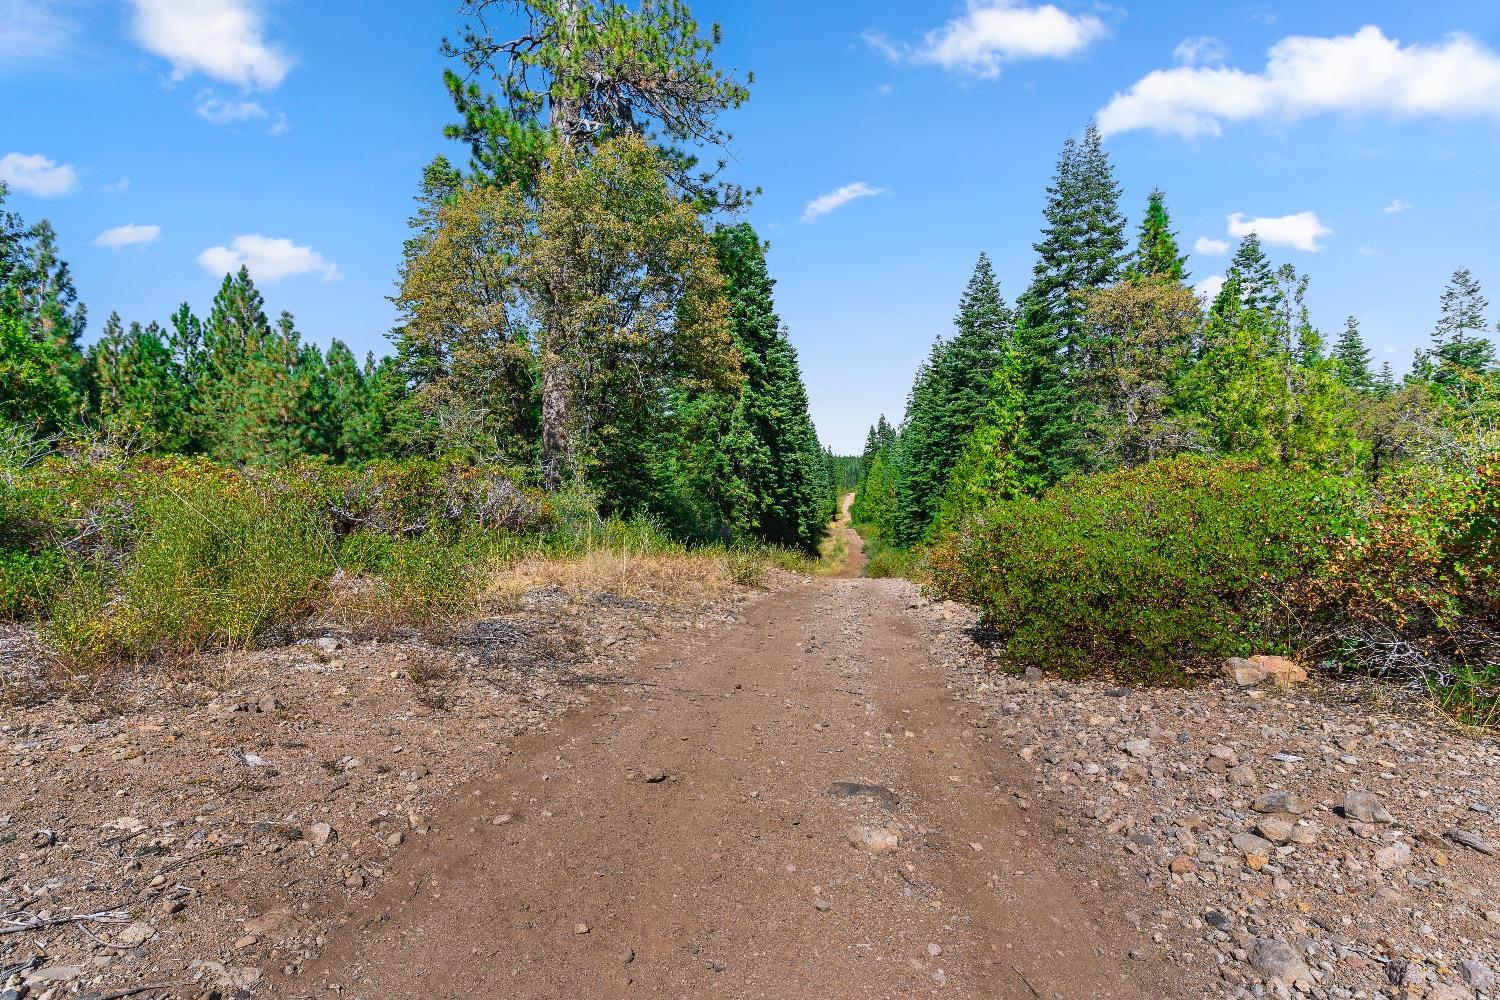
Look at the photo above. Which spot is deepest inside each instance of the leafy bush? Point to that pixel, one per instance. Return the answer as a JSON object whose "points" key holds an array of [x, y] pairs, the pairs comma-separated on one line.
{"points": [[1148, 572], [1418, 593]]}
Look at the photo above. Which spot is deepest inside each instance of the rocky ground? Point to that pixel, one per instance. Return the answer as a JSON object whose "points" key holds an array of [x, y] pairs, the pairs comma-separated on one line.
{"points": [[1318, 837], [186, 833]]}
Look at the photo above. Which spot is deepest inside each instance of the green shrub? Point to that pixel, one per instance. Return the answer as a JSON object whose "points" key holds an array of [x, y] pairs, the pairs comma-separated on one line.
{"points": [[1417, 594], [1149, 572]]}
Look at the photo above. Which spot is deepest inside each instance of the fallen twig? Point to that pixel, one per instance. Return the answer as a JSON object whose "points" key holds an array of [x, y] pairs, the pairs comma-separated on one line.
{"points": [[100, 917]]}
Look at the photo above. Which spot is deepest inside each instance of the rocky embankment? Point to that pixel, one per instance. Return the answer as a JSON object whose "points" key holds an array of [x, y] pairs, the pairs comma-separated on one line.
{"points": [[1299, 835]]}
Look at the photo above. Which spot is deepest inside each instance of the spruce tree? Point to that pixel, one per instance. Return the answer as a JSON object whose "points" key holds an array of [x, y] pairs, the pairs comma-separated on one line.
{"points": [[953, 401], [774, 473], [1082, 248], [1257, 279], [1156, 253], [1461, 356], [1352, 358]]}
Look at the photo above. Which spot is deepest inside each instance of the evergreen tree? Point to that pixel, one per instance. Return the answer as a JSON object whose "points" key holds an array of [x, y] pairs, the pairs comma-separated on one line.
{"points": [[1385, 381], [1082, 248], [135, 387], [1461, 356], [1156, 253], [769, 446], [1257, 284], [952, 401], [1352, 358]]}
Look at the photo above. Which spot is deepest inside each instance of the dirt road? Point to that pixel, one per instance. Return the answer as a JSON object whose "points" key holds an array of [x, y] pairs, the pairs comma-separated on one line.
{"points": [[681, 840]]}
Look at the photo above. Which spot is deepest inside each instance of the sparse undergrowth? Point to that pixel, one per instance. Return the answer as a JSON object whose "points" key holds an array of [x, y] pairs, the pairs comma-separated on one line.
{"points": [[119, 561]]}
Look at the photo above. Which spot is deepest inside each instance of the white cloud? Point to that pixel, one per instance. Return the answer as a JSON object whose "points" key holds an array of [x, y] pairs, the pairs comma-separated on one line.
{"points": [[823, 204], [268, 259], [1200, 50], [34, 29], [1397, 206], [1209, 287], [1362, 73], [1300, 231], [127, 236], [991, 33], [223, 39], [211, 107], [1211, 247], [34, 174], [1367, 251]]}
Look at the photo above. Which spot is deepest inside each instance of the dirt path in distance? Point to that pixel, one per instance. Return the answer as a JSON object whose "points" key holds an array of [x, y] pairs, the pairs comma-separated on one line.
{"points": [[681, 840]]}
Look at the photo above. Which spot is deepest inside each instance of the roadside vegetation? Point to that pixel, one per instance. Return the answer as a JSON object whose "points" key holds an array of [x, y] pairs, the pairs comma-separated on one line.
{"points": [[1130, 477], [588, 370]]}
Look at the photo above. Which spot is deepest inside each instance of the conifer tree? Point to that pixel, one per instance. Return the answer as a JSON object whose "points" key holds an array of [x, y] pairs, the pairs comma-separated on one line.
{"points": [[1461, 356], [1352, 358], [952, 401], [135, 387], [1082, 248], [1156, 253], [769, 445], [1257, 283]]}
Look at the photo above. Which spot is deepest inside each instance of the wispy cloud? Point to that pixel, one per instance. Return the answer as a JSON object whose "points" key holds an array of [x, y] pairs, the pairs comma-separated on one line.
{"points": [[34, 174], [991, 33], [1200, 50], [34, 29], [823, 204], [1300, 231], [269, 259], [1397, 206], [127, 236], [222, 39], [213, 108], [1304, 76], [1209, 247]]}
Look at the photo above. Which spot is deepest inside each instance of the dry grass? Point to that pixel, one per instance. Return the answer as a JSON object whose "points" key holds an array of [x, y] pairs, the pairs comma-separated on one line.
{"points": [[676, 579]]}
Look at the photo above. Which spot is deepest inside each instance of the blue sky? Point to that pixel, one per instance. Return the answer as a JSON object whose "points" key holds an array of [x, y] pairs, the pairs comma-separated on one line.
{"points": [[166, 139]]}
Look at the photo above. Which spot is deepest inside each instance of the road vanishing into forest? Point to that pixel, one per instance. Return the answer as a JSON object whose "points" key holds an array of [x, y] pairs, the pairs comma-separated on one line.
{"points": [[681, 840]]}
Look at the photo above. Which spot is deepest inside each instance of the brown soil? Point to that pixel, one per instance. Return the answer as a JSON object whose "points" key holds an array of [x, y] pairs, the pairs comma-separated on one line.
{"points": [[682, 841]]}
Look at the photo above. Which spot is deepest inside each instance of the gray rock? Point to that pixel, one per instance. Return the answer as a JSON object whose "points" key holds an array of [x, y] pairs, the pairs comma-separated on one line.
{"points": [[882, 796], [1395, 856], [1281, 802], [1478, 975], [321, 834], [1275, 959], [1138, 748], [1277, 829], [1366, 807], [1471, 840], [1253, 847]]}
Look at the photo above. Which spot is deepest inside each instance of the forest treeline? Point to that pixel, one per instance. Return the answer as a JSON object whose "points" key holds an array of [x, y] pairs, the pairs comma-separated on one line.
{"points": [[584, 329], [1125, 477]]}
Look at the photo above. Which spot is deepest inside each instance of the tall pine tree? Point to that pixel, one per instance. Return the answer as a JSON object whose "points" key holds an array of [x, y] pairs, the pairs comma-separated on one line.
{"points": [[1352, 358]]}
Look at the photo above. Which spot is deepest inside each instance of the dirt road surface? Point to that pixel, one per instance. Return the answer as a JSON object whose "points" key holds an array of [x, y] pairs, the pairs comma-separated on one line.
{"points": [[680, 840]]}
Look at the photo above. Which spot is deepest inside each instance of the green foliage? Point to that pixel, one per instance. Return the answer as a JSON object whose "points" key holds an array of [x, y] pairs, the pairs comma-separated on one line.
{"points": [[949, 400], [1082, 248], [1157, 256], [770, 473], [583, 72], [1151, 572]]}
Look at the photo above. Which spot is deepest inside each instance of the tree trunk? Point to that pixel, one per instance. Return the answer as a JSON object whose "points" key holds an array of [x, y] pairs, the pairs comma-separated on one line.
{"points": [[556, 460]]}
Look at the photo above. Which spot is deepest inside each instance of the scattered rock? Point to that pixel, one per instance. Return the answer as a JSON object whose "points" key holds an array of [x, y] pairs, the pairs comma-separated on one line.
{"points": [[1398, 855], [1275, 959], [1277, 829], [1366, 807], [1471, 840], [1478, 975], [874, 839], [321, 834], [1138, 748], [270, 923], [1257, 669], [580, 928], [879, 794], [1281, 802]]}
